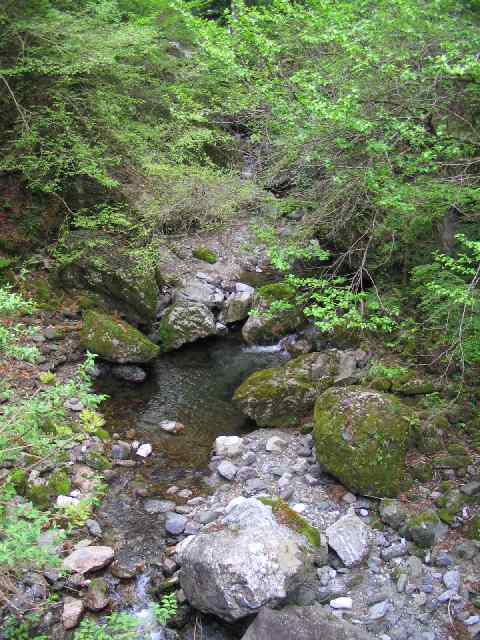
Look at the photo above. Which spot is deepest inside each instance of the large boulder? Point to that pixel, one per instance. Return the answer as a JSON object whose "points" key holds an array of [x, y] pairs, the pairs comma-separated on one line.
{"points": [[185, 322], [279, 396], [266, 325], [304, 623], [101, 264], [201, 292], [115, 340], [238, 303], [251, 561], [361, 438]]}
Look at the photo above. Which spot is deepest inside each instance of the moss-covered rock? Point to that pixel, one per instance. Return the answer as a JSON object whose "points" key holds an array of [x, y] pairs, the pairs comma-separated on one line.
{"points": [[264, 325], [18, 478], [184, 323], [39, 495], [59, 483], [280, 396], [101, 264], [115, 340], [425, 529], [204, 254], [293, 520], [361, 438]]}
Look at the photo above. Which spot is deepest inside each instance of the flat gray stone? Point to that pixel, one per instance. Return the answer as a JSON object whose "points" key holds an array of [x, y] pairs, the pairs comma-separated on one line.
{"points": [[175, 523], [348, 537]]}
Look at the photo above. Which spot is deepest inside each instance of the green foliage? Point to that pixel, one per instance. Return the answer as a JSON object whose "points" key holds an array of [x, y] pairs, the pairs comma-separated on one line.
{"points": [[450, 301], [22, 629], [166, 609], [203, 253]]}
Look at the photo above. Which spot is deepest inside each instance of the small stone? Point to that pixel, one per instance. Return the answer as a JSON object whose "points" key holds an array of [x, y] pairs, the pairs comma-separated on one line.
{"points": [[120, 450], [144, 450], [451, 580], [246, 473], [126, 569], [205, 517], [299, 507], [227, 470], [87, 559], [349, 498], [175, 524], [255, 485], [275, 444], [396, 550], [443, 559], [97, 598], [249, 458], [72, 612], [158, 506], [169, 566], [191, 528], [402, 582], [471, 488], [300, 467], [341, 603], [471, 620], [420, 599], [228, 446], [171, 426], [74, 404], [415, 567], [184, 493], [378, 610], [66, 501], [93, 528]]}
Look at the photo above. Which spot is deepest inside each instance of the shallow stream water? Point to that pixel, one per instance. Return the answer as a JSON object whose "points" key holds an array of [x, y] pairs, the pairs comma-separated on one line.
{"points": [[193, 386]]}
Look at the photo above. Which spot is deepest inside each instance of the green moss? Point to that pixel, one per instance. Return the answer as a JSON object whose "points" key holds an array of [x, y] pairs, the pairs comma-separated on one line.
{"points": [[39, 495], [97, 461], [457, 450], [422, 472], [18, 478], [205, 254], [361, 438], [293, 520], [473, 529], [276, 291], [381, 384], [116, 340], [453, 462], [422, 528], [59, 483]]}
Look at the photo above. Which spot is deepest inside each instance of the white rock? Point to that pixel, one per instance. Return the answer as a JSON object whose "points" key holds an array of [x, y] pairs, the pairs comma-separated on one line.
{"points": [[341, 603], [348, 537], [275, 444], [228, 446], [66, 501], [299, 507], [144, 450], [171, 426]]}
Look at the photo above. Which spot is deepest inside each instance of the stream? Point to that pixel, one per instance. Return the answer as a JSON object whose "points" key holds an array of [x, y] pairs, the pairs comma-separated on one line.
{"points": [[194, 386]]}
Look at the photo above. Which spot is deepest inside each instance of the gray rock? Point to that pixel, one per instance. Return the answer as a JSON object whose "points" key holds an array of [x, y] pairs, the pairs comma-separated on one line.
{"points": [[184, 323], [348, 537], [246, 473], [227, 470], [304, 623], [252, 561], [392, 513], [396, 550], [97, 595], [120, 450], [426, 530], [255, 485], [471, 488], [378, 610], [175, 523], [129, 373], [275, 444], [158, 506], [238, 304], [451, 579], [199, 292], [93, 528]]}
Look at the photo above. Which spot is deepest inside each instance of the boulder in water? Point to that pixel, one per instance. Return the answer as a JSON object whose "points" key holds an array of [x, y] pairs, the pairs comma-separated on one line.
{"points": [[185, 322]]}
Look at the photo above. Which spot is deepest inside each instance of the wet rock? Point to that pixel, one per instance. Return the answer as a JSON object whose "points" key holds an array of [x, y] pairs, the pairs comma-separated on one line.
{"points": [[304, 623], [348, 537], [115, 340], [120, 450], [361, 438], [97, 597], [127, 568], [228, 446], [253, 560], [171, 426], [175, 523], [129, 373], [88, 559], [227, 470], [72, 612], [184, 323]]}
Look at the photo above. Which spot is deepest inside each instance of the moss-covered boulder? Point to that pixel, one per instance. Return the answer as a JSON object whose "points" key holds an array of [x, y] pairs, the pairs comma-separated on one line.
{"points": [[266, 325], [280, 396], [185, 322], [425, 529], [115, 340], [101, 264], [361, 438]]}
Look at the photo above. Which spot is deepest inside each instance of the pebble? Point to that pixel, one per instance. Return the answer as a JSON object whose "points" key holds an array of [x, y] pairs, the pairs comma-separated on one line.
{"points": [[66, 501], [175, 523], [227, 470], [363, 513], [275, 444], [144, 450], [341, 603], [378, 610]]}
